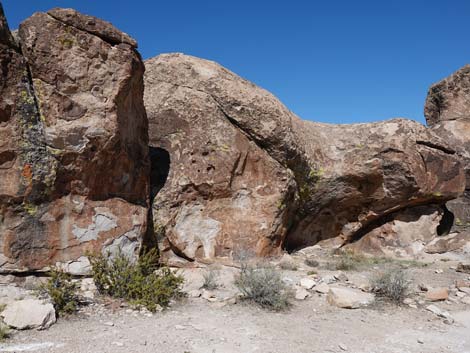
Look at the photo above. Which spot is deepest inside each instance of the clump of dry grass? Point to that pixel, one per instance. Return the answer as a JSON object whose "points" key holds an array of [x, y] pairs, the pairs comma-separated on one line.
{"points": [[262, 284], [392, 284]]}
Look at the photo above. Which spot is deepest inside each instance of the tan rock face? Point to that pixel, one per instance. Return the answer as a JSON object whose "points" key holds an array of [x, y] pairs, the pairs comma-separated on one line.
{"points": [[447, 112], [245, 173], [224, 195], [73, 142]]}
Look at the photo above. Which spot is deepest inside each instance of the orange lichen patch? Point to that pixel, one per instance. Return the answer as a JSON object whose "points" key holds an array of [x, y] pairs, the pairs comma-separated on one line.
{"points": [[27, 173]]}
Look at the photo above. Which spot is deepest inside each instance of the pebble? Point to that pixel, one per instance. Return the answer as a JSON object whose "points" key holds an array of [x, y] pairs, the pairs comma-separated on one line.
{"points": [[109, 323], [342, 347], [307, 283]]}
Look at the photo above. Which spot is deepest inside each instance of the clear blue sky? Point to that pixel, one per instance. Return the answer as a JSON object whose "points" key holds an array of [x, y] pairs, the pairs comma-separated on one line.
{"points": [[337, 61]]}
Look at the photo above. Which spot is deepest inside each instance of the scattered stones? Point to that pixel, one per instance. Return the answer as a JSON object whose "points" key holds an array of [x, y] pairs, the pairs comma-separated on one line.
{"points": [[408, 301], [465, 300], [349, 298], [328, 279], [301, 294], [322, 288], [441, 313], [437, 294], [340, 276], [209, 296], [465, 290], [307, 283], [29, 314], [462, 284]]}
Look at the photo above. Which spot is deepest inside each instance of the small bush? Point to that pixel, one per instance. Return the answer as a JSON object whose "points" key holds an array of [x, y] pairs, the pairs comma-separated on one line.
{"points": [[141, 283], [61, 290], [210, 280], [349, 261], [311, 262], [262, 285], [288, 266], [391, 284], [4, 332]]}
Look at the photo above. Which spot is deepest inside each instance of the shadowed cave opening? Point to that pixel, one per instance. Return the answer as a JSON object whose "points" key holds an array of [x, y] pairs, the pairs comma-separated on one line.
{"points": [[446, 223], [159, 170]]}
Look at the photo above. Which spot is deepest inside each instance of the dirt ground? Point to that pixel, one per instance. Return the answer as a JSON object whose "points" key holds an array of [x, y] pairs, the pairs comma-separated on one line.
{"points": [[196, 325]]}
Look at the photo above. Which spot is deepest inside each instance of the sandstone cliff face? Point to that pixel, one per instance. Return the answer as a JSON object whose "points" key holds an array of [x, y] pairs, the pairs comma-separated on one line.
{"points": [[233, 146], [73, 141], [447, 112]]}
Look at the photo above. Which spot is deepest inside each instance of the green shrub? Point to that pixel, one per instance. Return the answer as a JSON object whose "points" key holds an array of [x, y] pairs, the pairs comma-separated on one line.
{"points": [[262, 285], [4, 332], [141, 283], [391, 284], [210, 280], [61, 290]]}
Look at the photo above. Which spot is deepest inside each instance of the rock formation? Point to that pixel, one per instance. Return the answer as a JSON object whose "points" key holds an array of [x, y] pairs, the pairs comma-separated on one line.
{"points": [[232, 172], [235, 171], [447, 112], [73, 141]]}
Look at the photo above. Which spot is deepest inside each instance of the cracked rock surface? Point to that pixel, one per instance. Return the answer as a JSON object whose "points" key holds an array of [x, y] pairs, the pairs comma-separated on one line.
{"points": [[73, 141], [447, 112], [244, 174]]}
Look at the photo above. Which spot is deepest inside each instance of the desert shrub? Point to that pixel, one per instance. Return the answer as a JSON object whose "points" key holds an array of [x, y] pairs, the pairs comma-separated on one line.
{"points": [[210, 279], [141, 283], [350, 261], [311, 262], [61, 290], [262, 284], [288, 265], [4, 332], [391, 284]]}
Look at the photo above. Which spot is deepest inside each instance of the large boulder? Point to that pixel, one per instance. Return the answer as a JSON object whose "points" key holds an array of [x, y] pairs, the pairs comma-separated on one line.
{"points": [[29, 314], [244, 173], [224, 194], [447, 112], [73, 141]]}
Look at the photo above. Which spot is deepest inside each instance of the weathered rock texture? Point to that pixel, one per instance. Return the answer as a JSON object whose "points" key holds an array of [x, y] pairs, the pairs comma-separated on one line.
{"points": [[447, 112], [73, 141], [28, 314], [244, 173]]}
